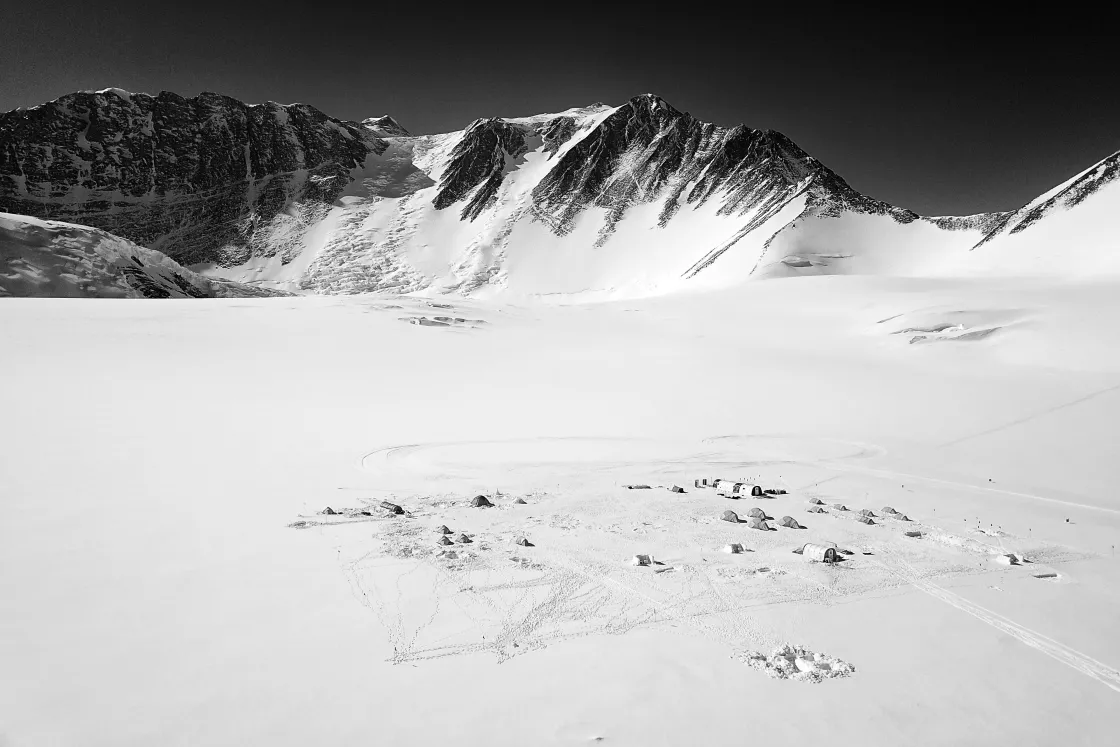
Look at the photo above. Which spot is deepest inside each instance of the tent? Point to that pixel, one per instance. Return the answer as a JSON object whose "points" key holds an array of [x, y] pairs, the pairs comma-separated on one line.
{"points": [[523, 542], [756, 491], [642, 560], [866, 520], [815, 510], [676, 489], [816, 501], [442, 529], [758, 513], [889, 510], [866, 512], [329, 511], [392, 507], [444, 541], [902, 517], [789, 522], [520, 501], [733, 549], [730, 516], [757, 523], [636, 487], [463, 539], [480, 501], [819, 553], [839, 506]]}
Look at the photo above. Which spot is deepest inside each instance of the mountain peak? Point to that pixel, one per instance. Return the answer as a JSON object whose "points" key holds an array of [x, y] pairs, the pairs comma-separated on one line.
{"points": [[384, 126]]}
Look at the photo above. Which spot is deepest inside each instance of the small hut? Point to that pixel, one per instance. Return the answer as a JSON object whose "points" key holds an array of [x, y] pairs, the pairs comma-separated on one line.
{"points": [[756, 491], [730, 516], [481, 501], [733, 549], [758, 513], [697, 484], [392, 507], [819, 553], [789, 522], [757, 523], [641, 560]]}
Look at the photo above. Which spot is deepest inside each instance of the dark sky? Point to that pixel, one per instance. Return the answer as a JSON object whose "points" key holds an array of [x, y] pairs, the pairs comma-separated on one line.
{"points": [[944, 115]]}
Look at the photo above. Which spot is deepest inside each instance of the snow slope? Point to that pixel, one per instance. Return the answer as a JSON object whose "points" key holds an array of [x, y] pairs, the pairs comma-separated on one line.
{"points": [[53, 259], [180, 586]]}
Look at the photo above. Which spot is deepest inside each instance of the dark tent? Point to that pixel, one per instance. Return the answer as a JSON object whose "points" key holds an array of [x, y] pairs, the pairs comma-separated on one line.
{"points": [[480, 501], [756, 491], [463, 539], [520, 501], [758, 513], [442, 529], [329, 511], [789, 522], [444, 541], [730, 516], [392, 507]]}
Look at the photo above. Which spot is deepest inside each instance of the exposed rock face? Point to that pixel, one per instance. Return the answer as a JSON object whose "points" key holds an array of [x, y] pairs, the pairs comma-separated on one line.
{"points": [[478, 164], [384, 126], [192, 177]]}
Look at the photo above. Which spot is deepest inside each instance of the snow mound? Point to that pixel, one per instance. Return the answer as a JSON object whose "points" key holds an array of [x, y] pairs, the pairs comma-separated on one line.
{"points": [[797, 663], [41, 258]]}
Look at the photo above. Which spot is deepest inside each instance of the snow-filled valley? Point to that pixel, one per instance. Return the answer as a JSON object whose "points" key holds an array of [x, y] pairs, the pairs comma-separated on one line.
{"points": [[171, 576]]}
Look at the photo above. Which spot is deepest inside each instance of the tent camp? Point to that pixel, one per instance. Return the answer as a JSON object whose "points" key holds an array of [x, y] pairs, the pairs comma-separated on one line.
{"points": [[816, 501], [815, 510], [866, 520], [481, 501], [757, 523], [392, 507], [789, 522], [730, 516], [758, 513], [819, 553]]}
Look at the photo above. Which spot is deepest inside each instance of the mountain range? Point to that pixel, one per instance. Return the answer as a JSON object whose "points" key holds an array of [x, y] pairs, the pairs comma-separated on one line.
{"points": [[627, 200]]}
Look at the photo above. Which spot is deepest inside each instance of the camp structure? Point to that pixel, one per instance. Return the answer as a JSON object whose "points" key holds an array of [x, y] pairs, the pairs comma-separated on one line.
{"points": [[481, 501], [867, 512], [756, 523], [676, 489], [789, 522], [816, 501], [392, 507], [733, 549], [866, 520], [641, 560], [636, 487], [839, 506], [902, 517], [756, 491], [523, 542], [758, 513], [520, 501], [774, 491], [819, 553], [888, 510], [815, 510], [730, 516], [444, 541], [463, 539], [442, 529], [913, 534], [729, 489], [328, 511]]}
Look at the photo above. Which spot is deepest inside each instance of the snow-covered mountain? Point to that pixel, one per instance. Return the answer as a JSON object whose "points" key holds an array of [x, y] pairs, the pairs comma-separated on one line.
{"points": [[633, 199], [64, 260]]}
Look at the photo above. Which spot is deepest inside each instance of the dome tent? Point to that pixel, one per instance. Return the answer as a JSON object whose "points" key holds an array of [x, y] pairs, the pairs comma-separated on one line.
{"points": [[789, 522], [866, 520], [481, 501], [815, 510], [444, 541], [442, 529], [730, 516], [888, 510], [866, 512], [757, 523], [758, 513], [816, 501]]}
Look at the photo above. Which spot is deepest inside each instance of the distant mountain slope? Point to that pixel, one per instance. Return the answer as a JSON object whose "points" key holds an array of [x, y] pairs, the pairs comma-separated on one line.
{"points": [[635, 199], [51, 259]]}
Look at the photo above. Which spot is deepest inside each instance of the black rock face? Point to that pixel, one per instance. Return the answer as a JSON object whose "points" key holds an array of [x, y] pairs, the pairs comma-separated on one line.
{"points": [[480, 158], [191, 177], [384, 126]]}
